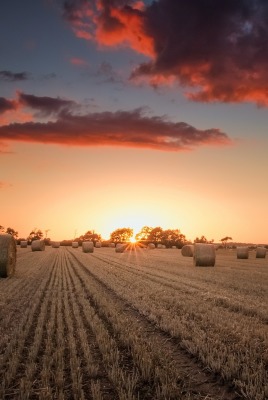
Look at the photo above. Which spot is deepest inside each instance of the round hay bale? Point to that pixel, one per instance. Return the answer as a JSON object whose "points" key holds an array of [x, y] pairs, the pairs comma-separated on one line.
{"points": [[23, 244], [112, 245], [38, 245], [204, 255], [260, 252], [242, 252], [159, 246], [151, 246], [8, 255], [173, 247], [187, 250], [98, 244], [75, 245], [88, 247], [55, 245], [120, 248]]}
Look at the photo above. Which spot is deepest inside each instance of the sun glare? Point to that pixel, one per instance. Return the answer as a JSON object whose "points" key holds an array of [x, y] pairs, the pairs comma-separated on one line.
{"points": [[132, 240]]}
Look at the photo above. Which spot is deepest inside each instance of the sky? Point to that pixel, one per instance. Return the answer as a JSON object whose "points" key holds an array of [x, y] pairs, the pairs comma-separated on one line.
{"points": [[123, 113]]}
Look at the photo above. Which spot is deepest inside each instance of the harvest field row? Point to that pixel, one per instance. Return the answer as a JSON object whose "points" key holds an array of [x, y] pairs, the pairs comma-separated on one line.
{"points": [[141, 324]]}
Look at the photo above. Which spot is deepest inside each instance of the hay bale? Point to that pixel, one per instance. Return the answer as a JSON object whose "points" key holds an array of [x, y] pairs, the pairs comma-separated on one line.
{"points": [[38, 245], [260, 252], [151, 246], [8, 255], [98, 244], [112, 245], [159, 246], [173, 247], [187, 250], [242, 252], [88, 247], [55, 245], [23, 244], [120, 248], [75, 245], [204, 255]]}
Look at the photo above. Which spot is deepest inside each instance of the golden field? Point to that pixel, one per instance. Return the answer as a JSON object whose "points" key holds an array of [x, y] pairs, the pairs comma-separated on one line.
{"points": [[143, 324]]}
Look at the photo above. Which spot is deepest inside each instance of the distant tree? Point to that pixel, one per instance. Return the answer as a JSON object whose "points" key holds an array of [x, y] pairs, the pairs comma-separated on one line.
{"points": [[121, 235], [144, 233], [173, 237], [91, 236], [2, 228], [156, 235], [12, 232], [225, 240], [203, 239], [35, 234]]}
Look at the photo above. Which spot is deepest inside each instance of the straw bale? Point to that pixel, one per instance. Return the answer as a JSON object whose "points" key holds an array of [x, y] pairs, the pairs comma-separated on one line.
{"points": [[8, 255], [151, 246], [242, 252], [260, 252], [204, 255], [75, 245], [112, 245], [38, 245], [23, 244], [187, 250], [120, 248], [98, 244], [88, 247]]}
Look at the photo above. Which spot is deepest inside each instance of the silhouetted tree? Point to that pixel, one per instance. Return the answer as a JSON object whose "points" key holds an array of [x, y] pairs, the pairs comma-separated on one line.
{"points": [[91, 236], [35, 234], [156, 235], [2, 228], [121, 235], [12, 232], [173, 237], [203, 239], [225, 240], [144, 233]]}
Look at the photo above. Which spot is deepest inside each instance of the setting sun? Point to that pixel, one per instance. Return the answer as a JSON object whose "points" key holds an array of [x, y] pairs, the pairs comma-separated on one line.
{"points": [[132, 240]]}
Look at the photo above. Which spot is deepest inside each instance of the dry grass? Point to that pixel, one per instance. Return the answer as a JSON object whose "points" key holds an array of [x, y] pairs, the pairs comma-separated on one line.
{"points": [[137, 325]]}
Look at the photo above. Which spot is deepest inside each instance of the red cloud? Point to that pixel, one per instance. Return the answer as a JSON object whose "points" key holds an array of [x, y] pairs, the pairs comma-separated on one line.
{"points": [[219, 52], [121, 128]]}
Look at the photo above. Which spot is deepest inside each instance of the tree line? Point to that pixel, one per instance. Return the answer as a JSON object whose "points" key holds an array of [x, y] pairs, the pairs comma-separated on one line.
{"points": [[147, 234]]}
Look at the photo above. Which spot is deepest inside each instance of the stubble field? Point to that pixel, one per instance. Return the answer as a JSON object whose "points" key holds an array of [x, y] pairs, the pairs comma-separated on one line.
{"points": [[143, 324]]}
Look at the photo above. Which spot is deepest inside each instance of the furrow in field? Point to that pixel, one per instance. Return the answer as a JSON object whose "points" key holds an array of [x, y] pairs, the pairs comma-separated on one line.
{"points": [[94, 378], [233, 301], [165, 363], [12, 359], [227, 346]]}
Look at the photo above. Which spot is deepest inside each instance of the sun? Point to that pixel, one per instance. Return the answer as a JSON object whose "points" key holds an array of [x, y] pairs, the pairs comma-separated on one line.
{"points": [[132, 240]]}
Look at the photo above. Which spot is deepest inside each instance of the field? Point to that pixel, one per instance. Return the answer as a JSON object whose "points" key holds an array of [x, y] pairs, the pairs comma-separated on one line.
{"points": [[142, 324]]}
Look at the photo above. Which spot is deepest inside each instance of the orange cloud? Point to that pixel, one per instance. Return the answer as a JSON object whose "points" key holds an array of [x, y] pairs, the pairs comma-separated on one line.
{"points": [[121, 128], [215, 53]]}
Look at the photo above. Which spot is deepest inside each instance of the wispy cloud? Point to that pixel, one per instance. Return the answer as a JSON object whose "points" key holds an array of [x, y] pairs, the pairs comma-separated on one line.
{"points": [[216, 53], [135, 128], [14, 76]]}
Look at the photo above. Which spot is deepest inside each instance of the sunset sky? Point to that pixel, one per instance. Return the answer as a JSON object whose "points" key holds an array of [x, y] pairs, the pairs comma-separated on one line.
{"points": [[122, 113]]}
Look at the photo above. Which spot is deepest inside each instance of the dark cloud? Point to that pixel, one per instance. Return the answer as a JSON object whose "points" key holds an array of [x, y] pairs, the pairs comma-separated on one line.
{"points": [[45, 105], [122, 128], [217, 50], [13, 76], [6, 105]]}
